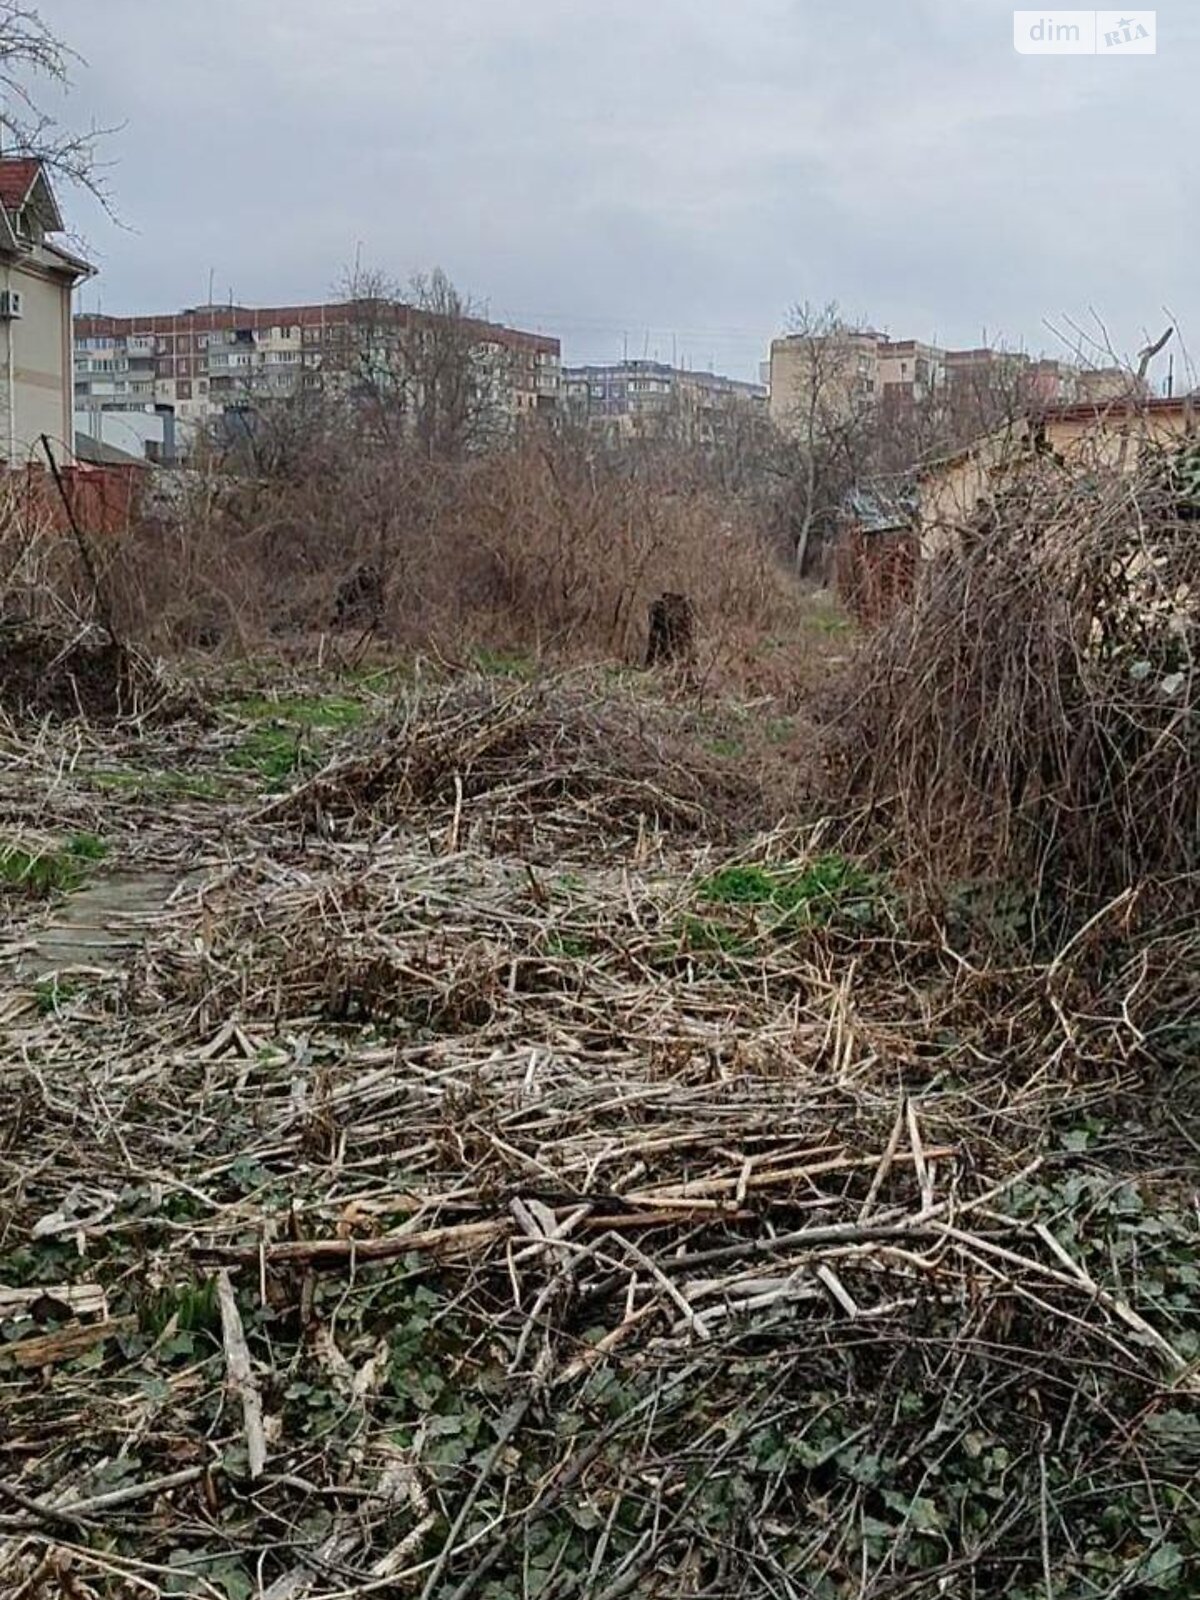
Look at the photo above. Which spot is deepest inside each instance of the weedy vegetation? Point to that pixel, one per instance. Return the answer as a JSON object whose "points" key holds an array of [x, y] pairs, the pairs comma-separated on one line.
{"points": [[38, 872], [537, 1150]]}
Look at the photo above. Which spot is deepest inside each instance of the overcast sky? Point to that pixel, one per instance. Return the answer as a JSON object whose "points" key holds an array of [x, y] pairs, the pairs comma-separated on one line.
{"points": [[666, 176]]}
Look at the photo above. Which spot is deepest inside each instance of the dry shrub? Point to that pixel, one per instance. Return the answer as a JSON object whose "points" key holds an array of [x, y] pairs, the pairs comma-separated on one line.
{"points": [[554, 548], [44, 671], [41, 573], [64, 649], [1034, 716], [546, 547]]}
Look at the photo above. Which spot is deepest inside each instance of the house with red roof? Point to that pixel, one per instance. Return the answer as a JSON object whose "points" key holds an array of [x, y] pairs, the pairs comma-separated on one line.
{"points": [[38, 275]]}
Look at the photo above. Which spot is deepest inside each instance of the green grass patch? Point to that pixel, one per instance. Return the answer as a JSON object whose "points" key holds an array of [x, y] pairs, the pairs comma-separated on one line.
{"points": [[825, 616], [272, 754], [86, 847], [118, 782], [40, 874], [568, 945], [698, 934], [285, 730], [303, 711], [189, 1307], [725, 748], [505, 664], [828, 886], [51, 994], [167, 785], [830, 622]]}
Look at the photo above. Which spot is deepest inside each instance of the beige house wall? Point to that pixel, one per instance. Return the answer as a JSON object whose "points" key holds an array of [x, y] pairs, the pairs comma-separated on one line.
{"points": [[1101, 440], [952, 490], [36, 386]]}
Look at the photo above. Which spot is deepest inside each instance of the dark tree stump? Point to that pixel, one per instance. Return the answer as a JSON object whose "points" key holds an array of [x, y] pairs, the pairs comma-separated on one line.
{"points": [[672, 630], [359, 601]]}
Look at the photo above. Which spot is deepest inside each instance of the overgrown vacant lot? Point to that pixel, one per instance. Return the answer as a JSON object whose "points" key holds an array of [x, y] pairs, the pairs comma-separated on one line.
{"points": [[506, 1143]]}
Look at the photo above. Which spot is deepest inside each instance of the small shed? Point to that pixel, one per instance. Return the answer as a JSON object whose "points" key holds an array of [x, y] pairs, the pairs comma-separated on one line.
{"points": [[877, 551]]}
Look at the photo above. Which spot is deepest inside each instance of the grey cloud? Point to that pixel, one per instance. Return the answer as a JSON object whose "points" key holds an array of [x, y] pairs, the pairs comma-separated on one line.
{"points": [[676, 172]]}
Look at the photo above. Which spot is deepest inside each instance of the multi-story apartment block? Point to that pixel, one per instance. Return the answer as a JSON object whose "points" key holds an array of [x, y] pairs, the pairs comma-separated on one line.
{"points": [[855, 369], [201, 363], [840, 371], [907, 370], [632, 397]]}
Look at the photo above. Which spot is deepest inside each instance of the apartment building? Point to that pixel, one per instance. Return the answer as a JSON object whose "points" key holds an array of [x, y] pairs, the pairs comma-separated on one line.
{"points": [[841, 368], [200, 363], [627, 398], [856, 368], [908, 371]]}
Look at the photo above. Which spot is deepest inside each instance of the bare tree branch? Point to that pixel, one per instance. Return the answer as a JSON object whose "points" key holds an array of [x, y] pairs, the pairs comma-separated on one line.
{"points": [[31, 53]]}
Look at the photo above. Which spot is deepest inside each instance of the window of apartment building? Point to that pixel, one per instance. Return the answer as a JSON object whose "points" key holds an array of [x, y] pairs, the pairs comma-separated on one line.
{"points": [[201, 341]]}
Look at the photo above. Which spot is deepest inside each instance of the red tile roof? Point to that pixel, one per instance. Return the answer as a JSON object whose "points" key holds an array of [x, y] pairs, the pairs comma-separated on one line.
{"points": [[17, 175]]}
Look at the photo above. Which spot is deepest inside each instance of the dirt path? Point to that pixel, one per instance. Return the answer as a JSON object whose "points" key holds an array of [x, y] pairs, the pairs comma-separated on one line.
{"points": [[98, 927]]}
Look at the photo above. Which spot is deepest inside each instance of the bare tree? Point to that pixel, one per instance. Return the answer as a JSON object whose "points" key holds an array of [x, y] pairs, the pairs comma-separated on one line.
{"points": [[952, 409], [424, 365], [31, 55], [829, 418]]}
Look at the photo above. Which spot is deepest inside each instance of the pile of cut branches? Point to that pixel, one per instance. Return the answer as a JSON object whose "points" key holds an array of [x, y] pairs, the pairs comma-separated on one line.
{"points": [[493, 758], [434, 1208], [1034, 716]]}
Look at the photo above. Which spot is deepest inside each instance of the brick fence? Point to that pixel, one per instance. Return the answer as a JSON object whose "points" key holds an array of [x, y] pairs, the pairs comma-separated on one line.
{"points": [[104, 500]]}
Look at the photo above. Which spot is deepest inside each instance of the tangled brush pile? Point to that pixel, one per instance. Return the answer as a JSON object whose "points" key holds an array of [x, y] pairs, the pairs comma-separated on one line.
{"points": [[491, 757], [1034, 716]]}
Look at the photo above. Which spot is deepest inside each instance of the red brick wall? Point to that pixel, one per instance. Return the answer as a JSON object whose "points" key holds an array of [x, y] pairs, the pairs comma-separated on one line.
{"points": [[103, 499]]}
